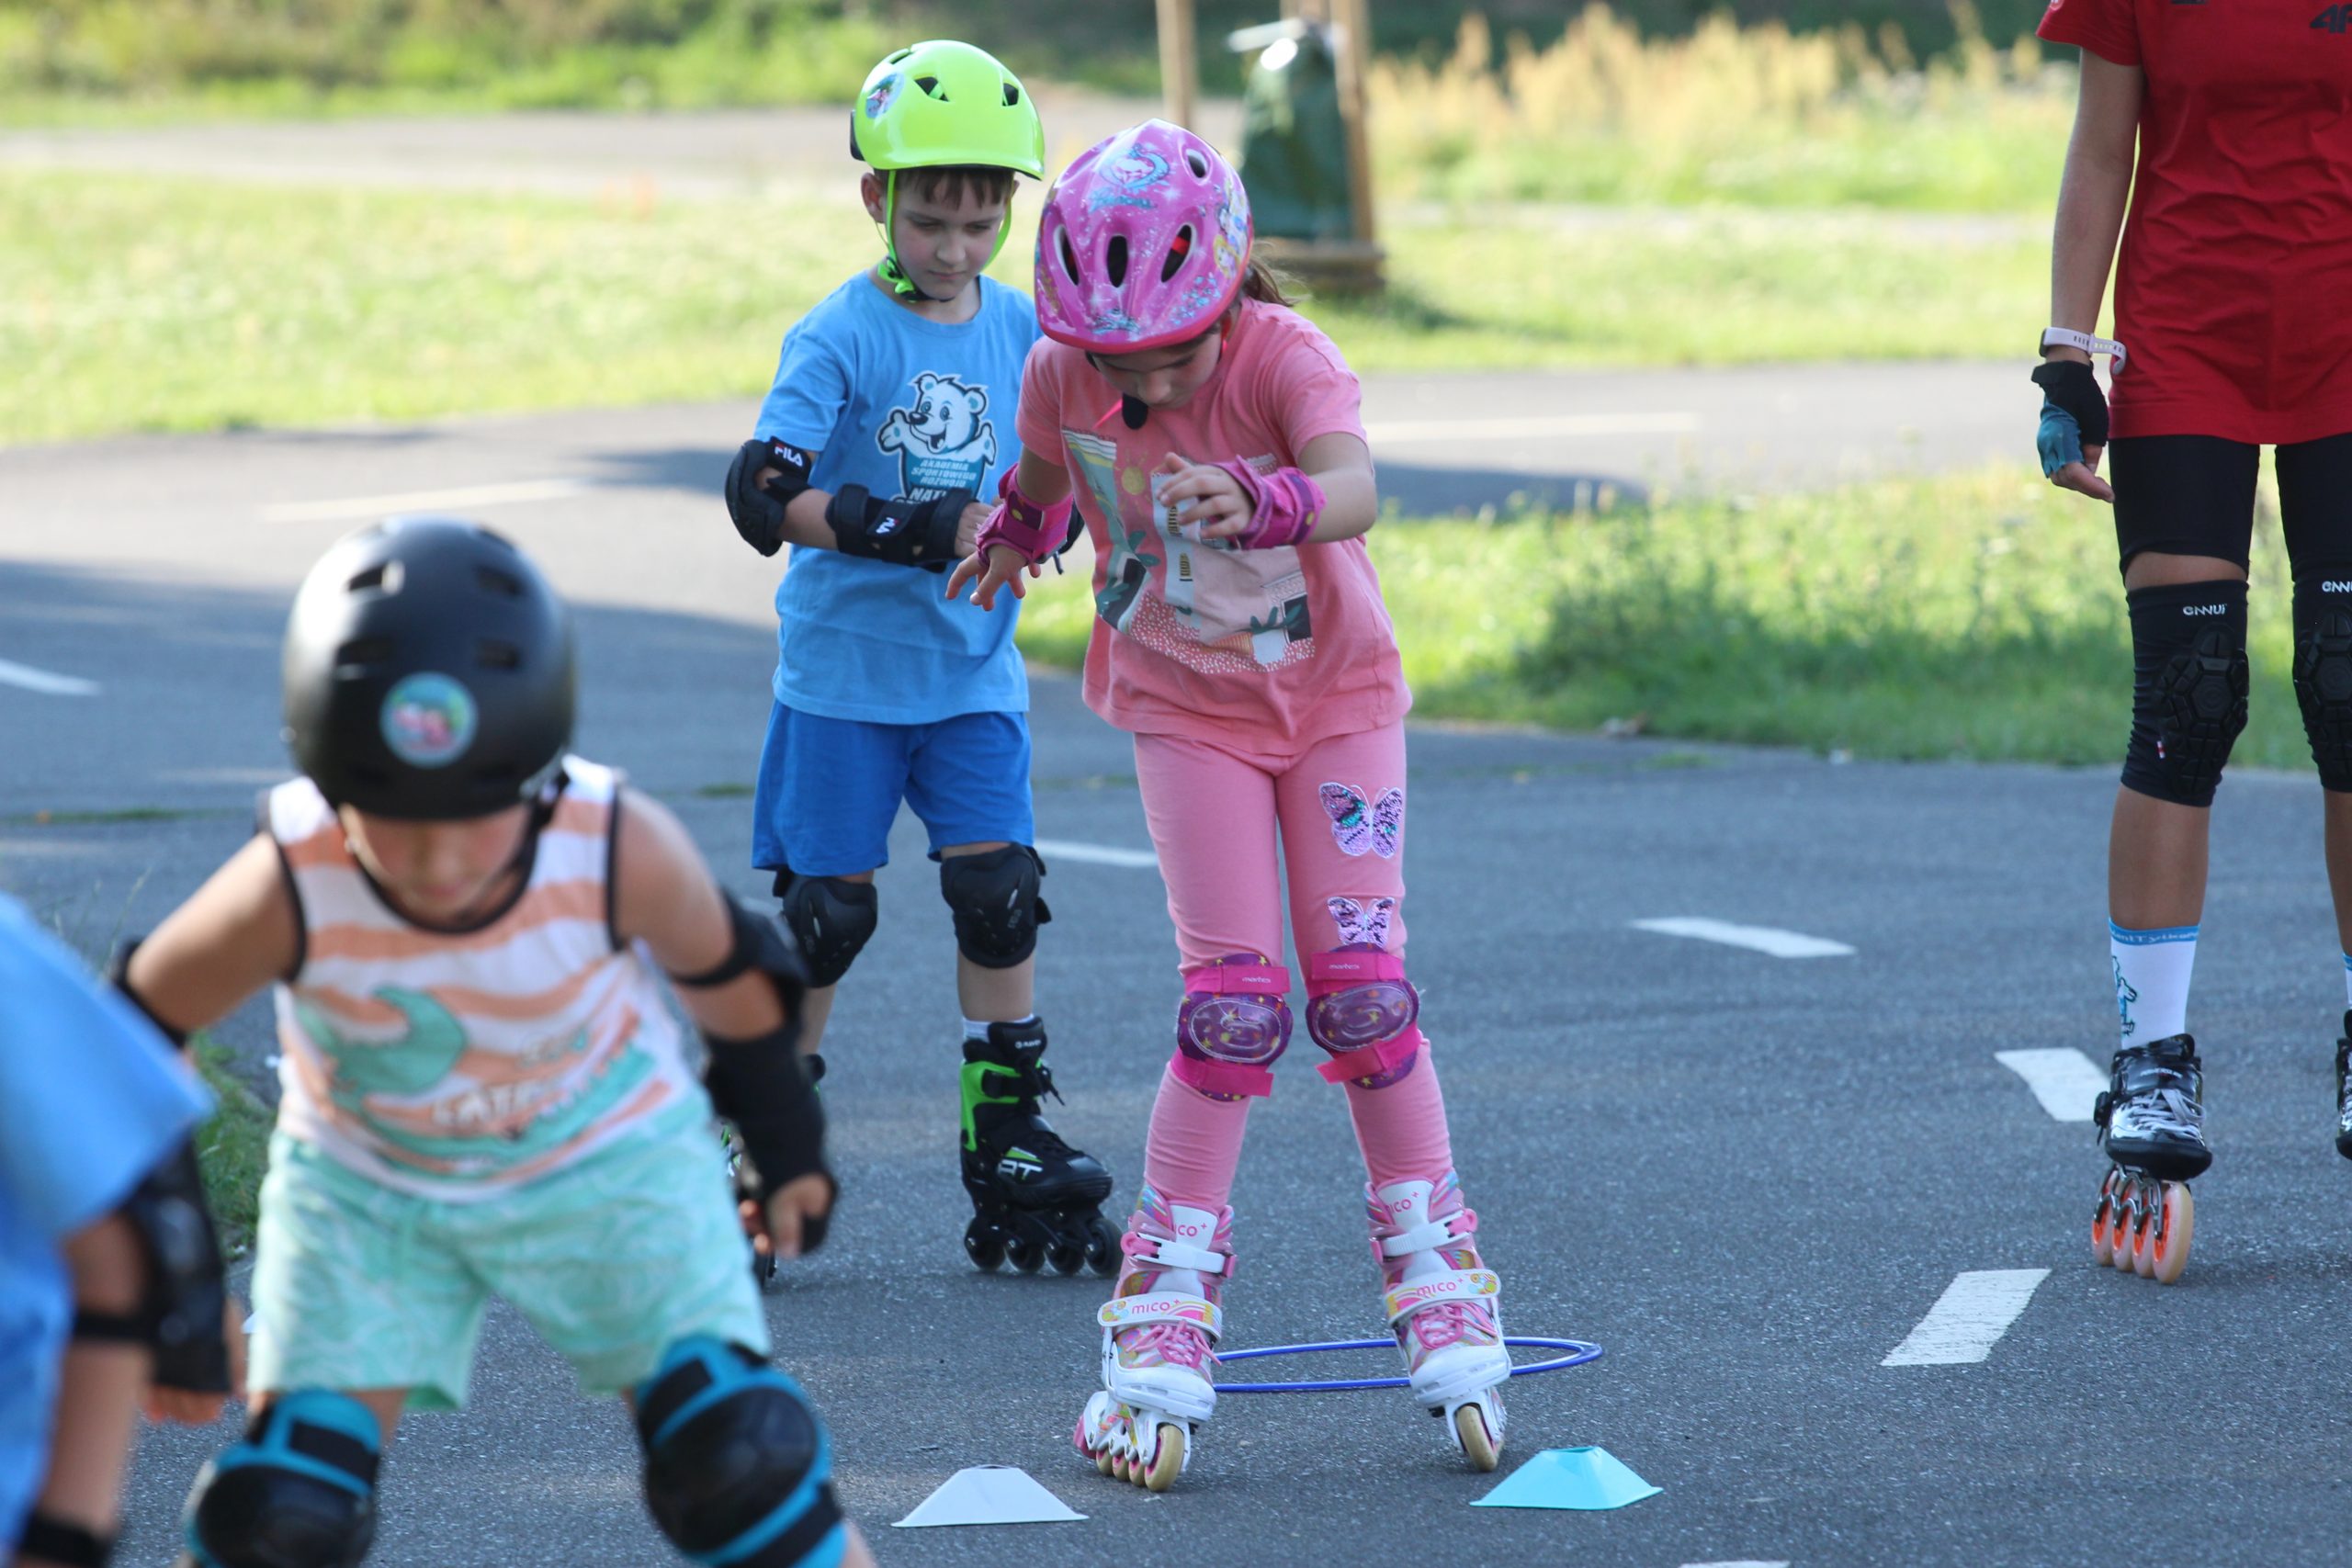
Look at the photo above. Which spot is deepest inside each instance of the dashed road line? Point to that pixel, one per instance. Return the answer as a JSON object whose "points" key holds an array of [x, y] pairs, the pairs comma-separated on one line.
{"points": [[2065, 1081], [49, 684], [1097, 855], [357, 508], [1530, 426], [1756, 939], [1973, 1314]]}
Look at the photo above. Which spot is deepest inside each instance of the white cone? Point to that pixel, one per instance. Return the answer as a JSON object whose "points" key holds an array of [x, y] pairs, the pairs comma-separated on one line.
{"points": [[990, 1495]]}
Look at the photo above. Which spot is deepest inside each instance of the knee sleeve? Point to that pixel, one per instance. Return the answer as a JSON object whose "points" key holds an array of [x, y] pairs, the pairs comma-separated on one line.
{"points": [[2324, 667], [2188, 688], [298, 1491], [993, 896], [1232, 1026], [1361, 1009], [738, 1468], [832, 918]]}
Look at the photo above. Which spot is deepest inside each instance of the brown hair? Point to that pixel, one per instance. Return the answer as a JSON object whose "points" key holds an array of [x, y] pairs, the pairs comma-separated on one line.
{"points": [[1264, 284], [952, 183]]}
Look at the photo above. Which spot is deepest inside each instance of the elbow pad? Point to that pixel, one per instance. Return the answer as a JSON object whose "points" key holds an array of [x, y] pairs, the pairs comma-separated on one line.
{"points": [[903, 532], [757, 510], [119, 976], [180, 1316]]}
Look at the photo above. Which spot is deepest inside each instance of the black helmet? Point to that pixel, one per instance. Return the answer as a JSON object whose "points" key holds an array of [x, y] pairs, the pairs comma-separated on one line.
{"points": [[428, 672]]}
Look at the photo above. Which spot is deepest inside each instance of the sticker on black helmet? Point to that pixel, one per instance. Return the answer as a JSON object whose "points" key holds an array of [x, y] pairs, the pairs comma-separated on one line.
{"points": [[429, 720]]}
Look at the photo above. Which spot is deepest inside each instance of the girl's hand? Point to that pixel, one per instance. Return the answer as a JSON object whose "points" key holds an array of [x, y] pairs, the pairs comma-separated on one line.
{"points": [[776, 1234], [1203, 494], [1000, 569]]}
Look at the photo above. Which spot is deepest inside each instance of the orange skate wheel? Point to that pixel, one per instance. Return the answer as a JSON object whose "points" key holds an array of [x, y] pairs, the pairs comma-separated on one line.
{"points": [[2163, 1251]]}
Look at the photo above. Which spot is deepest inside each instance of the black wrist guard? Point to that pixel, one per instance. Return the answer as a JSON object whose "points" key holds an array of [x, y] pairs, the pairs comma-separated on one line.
{"points": [[2069, 385], [180, 1318], [757, 510], [760, 1086], [54, 1540], [903, 532]]}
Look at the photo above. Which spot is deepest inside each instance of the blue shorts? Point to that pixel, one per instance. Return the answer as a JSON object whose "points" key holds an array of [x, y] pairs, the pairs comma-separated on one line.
{"points": [[830, 788]]}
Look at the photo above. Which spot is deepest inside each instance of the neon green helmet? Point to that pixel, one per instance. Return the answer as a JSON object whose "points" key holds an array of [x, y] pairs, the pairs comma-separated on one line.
{"points": [[940, 105]]}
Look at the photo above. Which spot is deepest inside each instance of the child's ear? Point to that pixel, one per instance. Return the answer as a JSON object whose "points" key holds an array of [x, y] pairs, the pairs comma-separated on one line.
{"points": [[869, 189]]}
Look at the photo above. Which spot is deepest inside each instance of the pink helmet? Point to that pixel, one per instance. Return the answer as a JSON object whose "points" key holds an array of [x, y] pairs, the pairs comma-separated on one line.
{"points": [[1143, 243]]}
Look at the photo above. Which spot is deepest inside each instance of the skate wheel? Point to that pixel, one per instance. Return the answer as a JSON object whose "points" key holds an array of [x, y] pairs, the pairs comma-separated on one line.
{"points": [[2106, 1220], [1067, 1257], [2161, 1250], [1480, 1446], [2128, 1222], [1103, 1461], [1167, 1461], [1101, 1247], [1025, 1254], [982, 1246]]}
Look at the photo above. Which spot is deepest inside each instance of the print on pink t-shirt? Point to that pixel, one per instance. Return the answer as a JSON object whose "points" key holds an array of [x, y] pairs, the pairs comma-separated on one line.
{"points": [[1195, 637]]}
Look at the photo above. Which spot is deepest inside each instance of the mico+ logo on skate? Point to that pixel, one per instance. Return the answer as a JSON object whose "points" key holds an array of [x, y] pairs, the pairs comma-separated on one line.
{"points": [[2334, 19]]}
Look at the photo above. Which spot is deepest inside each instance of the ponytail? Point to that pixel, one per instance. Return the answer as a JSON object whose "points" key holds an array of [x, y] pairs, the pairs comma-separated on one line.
{"points": [[1265, 285]]}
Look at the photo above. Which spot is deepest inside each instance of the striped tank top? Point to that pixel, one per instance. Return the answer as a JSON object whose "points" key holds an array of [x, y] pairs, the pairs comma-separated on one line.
{"points": [[460, 1065]]}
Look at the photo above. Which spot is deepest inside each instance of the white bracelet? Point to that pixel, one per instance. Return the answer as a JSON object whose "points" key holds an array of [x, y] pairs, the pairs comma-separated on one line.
{"points": [[2069, 338]]}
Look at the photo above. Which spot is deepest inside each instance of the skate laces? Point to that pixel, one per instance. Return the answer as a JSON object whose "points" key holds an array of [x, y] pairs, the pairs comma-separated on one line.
{"points": [[1441, 1324], [1166, 1345], [2167, 1111]]}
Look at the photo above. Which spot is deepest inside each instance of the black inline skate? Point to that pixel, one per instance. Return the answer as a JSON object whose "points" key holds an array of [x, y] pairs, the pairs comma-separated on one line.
{"points": [[2342, 1100], [2153, 1126], [1036, 1201]]}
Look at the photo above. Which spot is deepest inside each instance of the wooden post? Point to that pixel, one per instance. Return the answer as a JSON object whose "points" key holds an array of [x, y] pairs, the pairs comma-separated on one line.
{"points": [[1352, 21], [1179, 60]]}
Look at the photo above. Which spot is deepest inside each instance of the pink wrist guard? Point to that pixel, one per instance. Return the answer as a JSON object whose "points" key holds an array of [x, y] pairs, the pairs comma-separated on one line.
{"points": [[1284, 506], [1020, 524]]}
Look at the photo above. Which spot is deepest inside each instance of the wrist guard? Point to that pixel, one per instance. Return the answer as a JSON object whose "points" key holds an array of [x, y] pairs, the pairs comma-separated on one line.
{"points": [[1031, 531], [1284, 506], [2073, 413], [760, 1086], [903, 532]]}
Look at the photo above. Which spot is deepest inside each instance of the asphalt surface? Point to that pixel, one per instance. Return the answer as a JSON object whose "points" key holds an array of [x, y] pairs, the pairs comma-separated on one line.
{"points": [[1748, 1177]]}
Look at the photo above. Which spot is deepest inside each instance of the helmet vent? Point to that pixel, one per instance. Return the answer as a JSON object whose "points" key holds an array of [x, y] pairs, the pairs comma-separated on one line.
{"points": [[360, 652], [384, 575], [1114, 260], [930, 86], [498, 655], [1012, 95], [1178, 249], [1196, 161], [489, 580], [1070, 257]]}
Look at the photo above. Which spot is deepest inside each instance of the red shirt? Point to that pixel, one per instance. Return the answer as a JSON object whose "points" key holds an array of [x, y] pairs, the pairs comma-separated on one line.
{"points": [[2234, 284]]}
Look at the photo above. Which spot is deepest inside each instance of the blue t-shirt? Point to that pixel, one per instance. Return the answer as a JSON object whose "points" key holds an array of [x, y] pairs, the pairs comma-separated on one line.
{"points": [[907, 407], [91, 1099]]}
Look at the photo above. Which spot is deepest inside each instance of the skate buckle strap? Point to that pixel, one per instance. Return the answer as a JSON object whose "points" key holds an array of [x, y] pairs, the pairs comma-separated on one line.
{"points": [[1370, 1061], [1126, 1312], [1448, 1230], [1459, 1287], [1166, 1252], [1239, 979], [1222, 1077]]}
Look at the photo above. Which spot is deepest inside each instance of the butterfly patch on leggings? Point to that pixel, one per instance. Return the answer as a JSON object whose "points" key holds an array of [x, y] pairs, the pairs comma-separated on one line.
{"points": [[1360, 825], [1364, 924]]}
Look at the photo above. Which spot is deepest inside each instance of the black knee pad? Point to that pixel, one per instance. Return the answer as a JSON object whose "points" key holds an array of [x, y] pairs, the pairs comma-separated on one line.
{"points": [[993, 896], [832, 918], [2324, 667], [2188, 688], [738, 1467], [299, 1492]]}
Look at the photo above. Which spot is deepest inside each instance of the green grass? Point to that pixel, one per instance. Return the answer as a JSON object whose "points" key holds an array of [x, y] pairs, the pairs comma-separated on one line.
{"points": [[1977, 615], [133, 303], [232, 1147]]}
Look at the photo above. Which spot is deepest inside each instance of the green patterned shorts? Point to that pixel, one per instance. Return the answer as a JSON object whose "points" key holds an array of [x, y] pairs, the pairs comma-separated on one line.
{"points": [[612, 1260]]}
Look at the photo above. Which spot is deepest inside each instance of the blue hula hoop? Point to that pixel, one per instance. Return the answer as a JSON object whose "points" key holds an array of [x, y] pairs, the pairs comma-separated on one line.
{"points": [[1579, 1351]]}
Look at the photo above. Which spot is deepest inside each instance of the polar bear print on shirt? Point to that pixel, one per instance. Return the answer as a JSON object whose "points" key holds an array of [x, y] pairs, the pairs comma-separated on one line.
{"points": [[945, 439]]}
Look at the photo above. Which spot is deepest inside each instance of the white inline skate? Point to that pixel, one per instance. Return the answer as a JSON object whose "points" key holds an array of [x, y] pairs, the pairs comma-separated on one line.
{"points": [[1444, 1305], [1160, 1332]]}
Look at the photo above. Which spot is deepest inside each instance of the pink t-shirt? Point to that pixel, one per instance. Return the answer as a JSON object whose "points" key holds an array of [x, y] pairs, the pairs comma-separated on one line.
{"points": [[1270, 649]]}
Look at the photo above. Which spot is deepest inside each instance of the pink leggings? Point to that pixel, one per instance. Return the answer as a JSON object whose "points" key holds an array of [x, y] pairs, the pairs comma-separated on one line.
{"points": [[1215, 812]]}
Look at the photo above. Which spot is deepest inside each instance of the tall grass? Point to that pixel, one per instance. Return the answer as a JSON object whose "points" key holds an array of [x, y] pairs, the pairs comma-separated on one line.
{"points": [[1753, 115], [1974, 615]]}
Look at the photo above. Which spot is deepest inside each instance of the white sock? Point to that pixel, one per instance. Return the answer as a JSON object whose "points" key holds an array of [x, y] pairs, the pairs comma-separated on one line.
{"points": [[2347, 980], [2151, 980], [977, 1028]]}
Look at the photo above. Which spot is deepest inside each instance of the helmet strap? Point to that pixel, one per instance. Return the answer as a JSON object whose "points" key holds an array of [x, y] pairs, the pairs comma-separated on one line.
{"points": [[892, 273]]}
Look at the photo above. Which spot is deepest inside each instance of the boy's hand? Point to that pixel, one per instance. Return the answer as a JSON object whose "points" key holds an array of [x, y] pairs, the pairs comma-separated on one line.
{"points": [[795, 1214], [1002, 569], [1203, 494], [968, 528]]}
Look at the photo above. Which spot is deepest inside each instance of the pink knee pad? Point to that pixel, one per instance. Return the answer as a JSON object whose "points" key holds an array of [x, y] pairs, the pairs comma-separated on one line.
{"points": [[1234, 1021], [1360, 1007]]}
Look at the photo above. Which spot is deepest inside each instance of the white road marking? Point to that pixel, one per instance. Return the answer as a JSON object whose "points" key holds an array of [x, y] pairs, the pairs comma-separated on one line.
{"points": [[1976, 1310], [46, 684], [1757, 939], [369, 506], [1531, 426], [2064, 1081], [1096, 855]]}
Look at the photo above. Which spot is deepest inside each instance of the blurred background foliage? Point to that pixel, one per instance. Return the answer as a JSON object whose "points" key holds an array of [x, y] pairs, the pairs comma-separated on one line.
{"points": [[681, 53]]}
